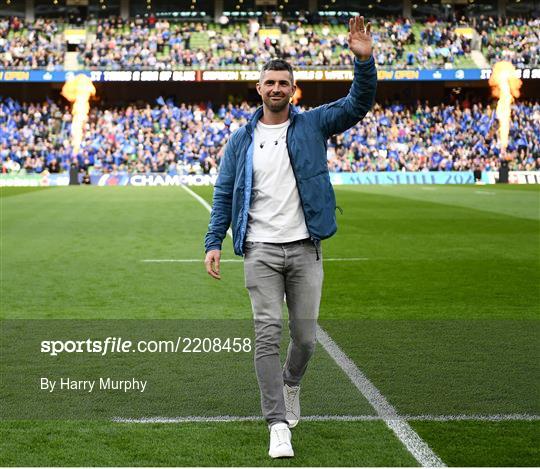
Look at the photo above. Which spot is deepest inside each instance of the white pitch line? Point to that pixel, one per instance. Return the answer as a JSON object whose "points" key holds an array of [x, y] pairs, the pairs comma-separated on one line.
{"points": [[403, 431], [188, 261], [474, 418], [249, 418], [204, 203], [412, 441], [335, 418], [185, 261], [345, 259], [485, 192]]}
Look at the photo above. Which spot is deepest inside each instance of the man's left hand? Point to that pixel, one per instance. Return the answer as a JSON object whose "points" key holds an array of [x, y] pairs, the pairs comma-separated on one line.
{"points": [[360, 41]]}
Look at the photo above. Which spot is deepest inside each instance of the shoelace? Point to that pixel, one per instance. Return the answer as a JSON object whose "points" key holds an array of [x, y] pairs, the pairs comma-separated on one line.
{"points": [[291, 395], [280, 434]]}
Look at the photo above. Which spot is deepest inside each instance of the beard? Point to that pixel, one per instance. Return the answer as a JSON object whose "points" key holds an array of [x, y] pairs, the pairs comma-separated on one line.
{"points": [[274, 105]]}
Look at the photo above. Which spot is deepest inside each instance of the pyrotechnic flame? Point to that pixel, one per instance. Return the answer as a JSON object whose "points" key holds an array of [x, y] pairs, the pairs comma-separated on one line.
{"points": [[78, 91], [505, 86], [297, 96]]}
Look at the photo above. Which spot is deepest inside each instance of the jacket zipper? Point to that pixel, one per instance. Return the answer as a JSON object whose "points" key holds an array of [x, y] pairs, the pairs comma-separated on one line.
{"points": [[243, 226], [314, 240]]}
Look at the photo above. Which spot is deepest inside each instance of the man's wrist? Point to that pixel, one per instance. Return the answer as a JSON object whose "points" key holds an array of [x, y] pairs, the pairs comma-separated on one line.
{"points": [[363, 58]]}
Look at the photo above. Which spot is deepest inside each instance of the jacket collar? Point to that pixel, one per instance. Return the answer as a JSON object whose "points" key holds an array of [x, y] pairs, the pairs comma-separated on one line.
{"points": [[250, 126]]}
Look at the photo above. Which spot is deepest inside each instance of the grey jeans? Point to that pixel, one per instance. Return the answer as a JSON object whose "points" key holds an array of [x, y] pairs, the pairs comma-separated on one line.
{"points": [[272, 272]]}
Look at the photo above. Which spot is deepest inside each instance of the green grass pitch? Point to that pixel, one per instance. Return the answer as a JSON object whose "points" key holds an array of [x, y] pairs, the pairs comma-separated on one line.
{"points": [[441, 314]]}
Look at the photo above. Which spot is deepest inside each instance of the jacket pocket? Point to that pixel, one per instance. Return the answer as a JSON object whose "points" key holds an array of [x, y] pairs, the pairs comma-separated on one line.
{"points": [[319, 205]]}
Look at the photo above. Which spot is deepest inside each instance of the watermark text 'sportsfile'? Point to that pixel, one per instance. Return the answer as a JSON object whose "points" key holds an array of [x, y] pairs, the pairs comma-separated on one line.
{"points": [[120, 345]]}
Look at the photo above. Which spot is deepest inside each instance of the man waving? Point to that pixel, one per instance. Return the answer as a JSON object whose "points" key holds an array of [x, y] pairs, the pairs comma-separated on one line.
{"points": [[274, 188]]}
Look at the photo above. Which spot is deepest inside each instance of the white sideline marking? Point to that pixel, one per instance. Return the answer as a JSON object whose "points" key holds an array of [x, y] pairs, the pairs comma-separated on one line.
{"points": [[335, 418], [474, 418], [414, 444], [204, 203], [412, 441], [187, 261]]}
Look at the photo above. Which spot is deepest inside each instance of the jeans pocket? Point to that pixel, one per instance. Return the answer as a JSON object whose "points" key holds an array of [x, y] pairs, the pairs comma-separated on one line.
{"points": [[312, 249], [251, 245]]}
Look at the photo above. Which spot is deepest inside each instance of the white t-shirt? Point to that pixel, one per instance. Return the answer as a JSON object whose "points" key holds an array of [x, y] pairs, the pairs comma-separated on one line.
{"points": [[276, 214]]}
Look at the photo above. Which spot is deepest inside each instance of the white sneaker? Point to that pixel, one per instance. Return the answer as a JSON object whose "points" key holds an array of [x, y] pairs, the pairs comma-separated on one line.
{"points": [[292, 404], [280, 441]]}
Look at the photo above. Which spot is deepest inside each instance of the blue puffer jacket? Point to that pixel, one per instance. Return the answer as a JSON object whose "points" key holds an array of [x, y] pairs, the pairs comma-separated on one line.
{"points": [[307, 135]]}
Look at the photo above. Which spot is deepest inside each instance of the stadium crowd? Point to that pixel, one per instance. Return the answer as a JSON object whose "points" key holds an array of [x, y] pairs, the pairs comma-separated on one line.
{"points": [[165, 45], [515, 40], [435, 45], [142, 46], [150, 43], [30, 45], [438, 137], [189, 139]]}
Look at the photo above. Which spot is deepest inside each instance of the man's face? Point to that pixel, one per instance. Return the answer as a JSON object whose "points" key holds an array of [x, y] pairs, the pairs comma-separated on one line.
{"points": [[276, 89]]}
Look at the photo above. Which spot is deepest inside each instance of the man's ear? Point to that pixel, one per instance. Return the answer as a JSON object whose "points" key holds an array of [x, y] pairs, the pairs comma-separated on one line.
{"points": [[293, 90], [258, 88]]}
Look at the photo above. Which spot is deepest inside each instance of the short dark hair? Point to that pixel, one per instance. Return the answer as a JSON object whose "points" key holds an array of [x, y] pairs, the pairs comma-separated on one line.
{"points": [[278, 64]]}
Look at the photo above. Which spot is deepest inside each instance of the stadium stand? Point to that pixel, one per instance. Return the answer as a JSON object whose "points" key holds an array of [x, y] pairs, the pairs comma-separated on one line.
{"points": [[515, 40], [169, 45], [138, 43], [30, 45], [189, 138]]}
